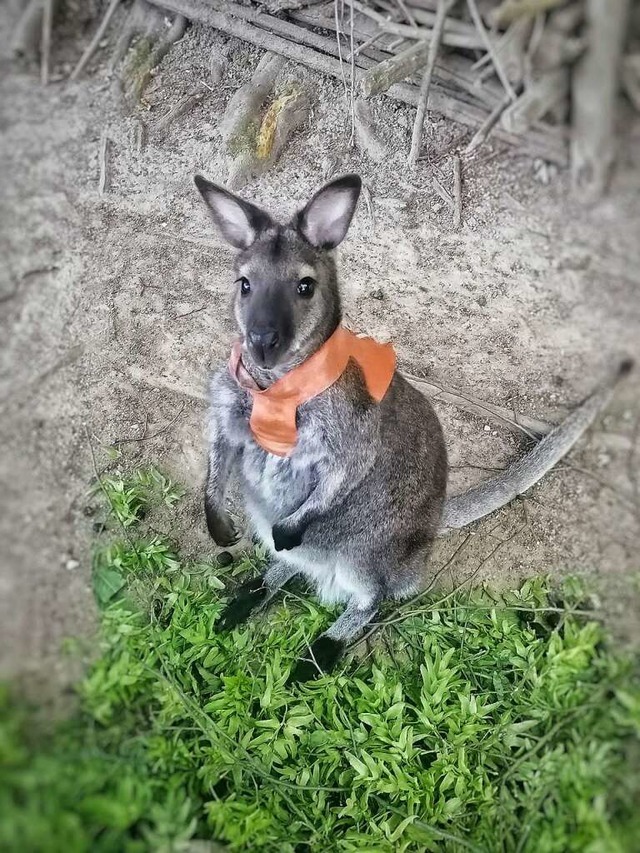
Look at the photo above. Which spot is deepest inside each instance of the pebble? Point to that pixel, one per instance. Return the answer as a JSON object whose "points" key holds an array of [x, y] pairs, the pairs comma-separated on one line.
{"points": [[487, 428], [71, 565], [224, 559]]}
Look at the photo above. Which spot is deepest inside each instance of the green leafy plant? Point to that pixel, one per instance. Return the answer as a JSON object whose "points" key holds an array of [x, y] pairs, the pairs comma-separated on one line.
{"points": [[129, 496], [474, 722]]}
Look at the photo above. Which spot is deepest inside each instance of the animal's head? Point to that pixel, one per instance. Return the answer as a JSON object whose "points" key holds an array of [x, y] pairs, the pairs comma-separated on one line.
{"points": [[286, 291]]}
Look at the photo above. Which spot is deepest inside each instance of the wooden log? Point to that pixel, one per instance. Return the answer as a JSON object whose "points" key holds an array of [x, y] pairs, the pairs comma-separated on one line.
{"points": [[537, 143], [283, 116], [246, 102], [594, 88], [393, 70]]}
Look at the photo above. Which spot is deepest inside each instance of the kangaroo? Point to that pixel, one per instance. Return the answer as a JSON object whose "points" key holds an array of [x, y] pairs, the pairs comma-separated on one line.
{"points": [[356, 501]]}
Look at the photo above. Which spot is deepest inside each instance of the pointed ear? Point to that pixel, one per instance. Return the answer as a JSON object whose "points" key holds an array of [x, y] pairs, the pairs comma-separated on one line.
{"points": [[325, 220], [238, 220]]}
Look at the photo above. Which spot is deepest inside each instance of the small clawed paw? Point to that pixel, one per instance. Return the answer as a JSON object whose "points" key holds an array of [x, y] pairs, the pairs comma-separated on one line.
{"points": [[285, 540], [323, 655], [249, 596]]}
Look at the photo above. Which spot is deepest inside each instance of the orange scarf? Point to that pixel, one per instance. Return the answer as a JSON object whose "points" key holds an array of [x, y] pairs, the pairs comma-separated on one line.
{"points": [[273, 416]]}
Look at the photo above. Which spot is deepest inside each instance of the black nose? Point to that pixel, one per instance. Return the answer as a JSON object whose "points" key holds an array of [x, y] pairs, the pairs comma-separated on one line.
{"points": [[264, 339]]}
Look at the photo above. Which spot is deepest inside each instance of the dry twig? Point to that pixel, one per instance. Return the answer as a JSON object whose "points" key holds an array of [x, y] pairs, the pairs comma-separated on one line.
{"points": [[487, 125], [95, 41], [530, 427], [457, 192], [103, 163], [144, 436], [45, 49], [477, 20], [443, 7]]}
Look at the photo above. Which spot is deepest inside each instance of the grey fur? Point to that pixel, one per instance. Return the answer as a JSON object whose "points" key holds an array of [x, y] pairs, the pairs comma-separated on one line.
{"points": [[357, 504]]}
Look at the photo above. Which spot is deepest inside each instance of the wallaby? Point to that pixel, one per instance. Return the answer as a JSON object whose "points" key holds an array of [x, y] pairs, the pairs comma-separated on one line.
{"points": [[357, 497]]}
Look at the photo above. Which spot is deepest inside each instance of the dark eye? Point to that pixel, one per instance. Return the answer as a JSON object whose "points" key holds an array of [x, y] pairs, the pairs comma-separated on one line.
{"points": [[306, 286], [245, 287]]}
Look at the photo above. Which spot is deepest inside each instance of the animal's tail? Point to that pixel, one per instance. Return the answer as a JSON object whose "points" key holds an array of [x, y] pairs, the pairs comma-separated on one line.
{"points": [[460, 510]]}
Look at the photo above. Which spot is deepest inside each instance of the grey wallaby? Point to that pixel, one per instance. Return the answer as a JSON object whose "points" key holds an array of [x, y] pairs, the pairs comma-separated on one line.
{"points": [[356, 506]]}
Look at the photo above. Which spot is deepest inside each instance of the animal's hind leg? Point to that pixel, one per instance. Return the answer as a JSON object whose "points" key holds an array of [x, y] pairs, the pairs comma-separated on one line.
{"points": [[255, 593], [327, 650]]}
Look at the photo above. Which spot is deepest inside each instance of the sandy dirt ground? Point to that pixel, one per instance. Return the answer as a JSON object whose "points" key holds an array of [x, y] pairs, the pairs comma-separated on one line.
{"points": [[114, 307]]}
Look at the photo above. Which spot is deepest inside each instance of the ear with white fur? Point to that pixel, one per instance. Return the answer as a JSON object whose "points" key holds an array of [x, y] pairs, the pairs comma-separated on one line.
{"points": [[325, 220], [238, 220]]}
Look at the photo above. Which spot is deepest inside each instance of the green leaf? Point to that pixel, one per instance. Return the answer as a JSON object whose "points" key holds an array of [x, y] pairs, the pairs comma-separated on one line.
{"points": [[107, 583]]}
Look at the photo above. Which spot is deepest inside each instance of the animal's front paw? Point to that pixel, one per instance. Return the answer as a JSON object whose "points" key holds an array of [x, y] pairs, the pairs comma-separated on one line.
{"points": [[249, 596], [285, 540], [323, 655], [221, 528]]}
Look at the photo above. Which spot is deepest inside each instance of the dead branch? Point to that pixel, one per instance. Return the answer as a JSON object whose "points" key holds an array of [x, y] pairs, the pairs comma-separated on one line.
{"points": [[144, 436], [457, 192], [444, 194], [538, 143], [103, 163], [448, 69], [407, 12], [95, 41], [487, 126], [531, 427], [443, 8], [594, 87], [449, 36], [276, 6], [393, 70], [511, 51], [45, 46], [484, 35]]}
